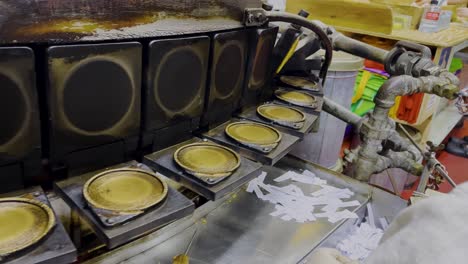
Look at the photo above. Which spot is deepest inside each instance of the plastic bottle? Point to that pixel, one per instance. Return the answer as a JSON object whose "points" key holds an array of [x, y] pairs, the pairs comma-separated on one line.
{"points": [[430, 18]]}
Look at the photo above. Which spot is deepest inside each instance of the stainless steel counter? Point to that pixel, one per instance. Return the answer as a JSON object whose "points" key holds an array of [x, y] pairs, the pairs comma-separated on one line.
{"points": [[239, 229]]}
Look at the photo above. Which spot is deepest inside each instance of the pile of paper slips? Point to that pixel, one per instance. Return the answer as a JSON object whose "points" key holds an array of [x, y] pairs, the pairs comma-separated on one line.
{"points": [[291, 203]]}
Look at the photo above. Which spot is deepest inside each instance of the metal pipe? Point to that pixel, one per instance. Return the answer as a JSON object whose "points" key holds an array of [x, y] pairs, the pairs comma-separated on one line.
{"points": [[410, 138], [340, 112], [406, 85], [358, 48], [379, 127], [437, 167], [404, 160], [423, 180], [401, 144]]}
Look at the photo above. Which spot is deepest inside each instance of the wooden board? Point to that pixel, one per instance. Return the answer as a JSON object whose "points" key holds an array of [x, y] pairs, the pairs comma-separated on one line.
{"points": [[412, 11], [450, 37], [361, 14], [394, 2]]}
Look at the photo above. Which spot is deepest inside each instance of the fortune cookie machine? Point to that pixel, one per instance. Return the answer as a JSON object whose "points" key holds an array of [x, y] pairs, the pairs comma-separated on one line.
{"points": [[127, 124]]}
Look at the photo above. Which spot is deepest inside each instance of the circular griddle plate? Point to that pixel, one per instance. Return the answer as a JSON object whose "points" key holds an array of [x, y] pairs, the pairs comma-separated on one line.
{"points": [[296, 97], [207, 160], [281, 113], [253, 133], [299, 82], [23, 222], [125, 190]]}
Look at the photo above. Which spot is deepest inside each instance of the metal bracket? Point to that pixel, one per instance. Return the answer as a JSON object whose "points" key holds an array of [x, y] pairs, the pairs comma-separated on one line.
{"points": [[255, 17], [408, 58]]}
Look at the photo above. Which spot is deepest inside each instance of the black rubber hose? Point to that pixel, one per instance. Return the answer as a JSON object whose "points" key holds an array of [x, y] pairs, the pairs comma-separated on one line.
{"points": [[303, 22]]}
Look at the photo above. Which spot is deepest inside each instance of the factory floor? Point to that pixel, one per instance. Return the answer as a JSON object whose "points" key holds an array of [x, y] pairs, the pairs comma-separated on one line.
{"points": [[457, 167]]}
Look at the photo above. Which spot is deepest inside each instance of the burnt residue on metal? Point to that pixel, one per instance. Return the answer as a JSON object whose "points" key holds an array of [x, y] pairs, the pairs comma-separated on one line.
{"points": [[24, 21]]}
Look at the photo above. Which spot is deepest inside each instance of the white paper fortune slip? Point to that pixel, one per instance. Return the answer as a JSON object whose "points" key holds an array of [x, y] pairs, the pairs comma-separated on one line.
{"points": [[292, 204], [365, 238], [361, 242]]}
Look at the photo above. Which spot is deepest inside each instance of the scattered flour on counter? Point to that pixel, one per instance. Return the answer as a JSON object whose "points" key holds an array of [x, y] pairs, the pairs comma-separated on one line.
{"points": [[292, 204]]}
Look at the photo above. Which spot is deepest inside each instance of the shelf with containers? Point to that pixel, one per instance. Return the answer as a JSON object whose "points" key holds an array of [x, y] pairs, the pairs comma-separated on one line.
{"points": [[435, 117]]}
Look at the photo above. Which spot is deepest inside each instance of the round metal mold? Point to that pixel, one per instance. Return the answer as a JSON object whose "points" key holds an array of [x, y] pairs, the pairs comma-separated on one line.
{"points": [[23, 223], [254, 135], [300, 82], [207, 160], [282, 115], [125, 190], [297, 98]]}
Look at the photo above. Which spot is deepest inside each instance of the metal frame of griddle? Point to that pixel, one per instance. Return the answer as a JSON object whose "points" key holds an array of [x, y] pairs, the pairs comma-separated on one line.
{"points": [[175, 206], [318, 92], [311, 110], [219, 136], [252, 115], [55, 248], [163, 162]]}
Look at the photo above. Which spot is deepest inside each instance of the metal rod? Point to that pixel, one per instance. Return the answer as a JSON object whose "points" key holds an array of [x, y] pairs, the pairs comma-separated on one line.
{"points": [[442, 172], [439, 169], [340, 112], [423, 180], [361, 49], [191, 240], [409, 137], [392, 181]]}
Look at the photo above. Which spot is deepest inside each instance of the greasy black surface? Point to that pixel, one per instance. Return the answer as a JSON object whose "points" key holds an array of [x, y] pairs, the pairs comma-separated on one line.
{"points": [[12, 109], [175, 82], [180, 79], [261, 61], [97, 95], [89, 89], [52, 21], [259, 72], [19, 160], [229, 68], [229, 61]]}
